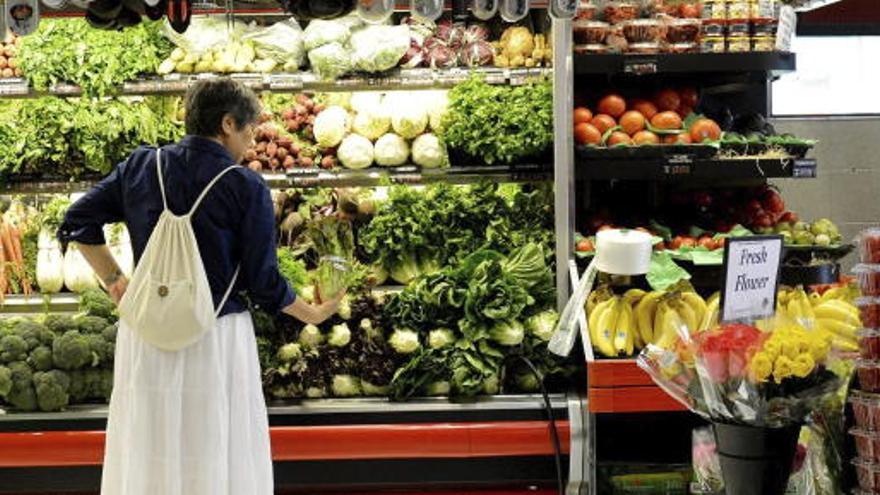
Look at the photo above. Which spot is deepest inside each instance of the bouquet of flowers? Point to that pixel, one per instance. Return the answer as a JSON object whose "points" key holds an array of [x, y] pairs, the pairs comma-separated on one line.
{"points": [[770, 375]]}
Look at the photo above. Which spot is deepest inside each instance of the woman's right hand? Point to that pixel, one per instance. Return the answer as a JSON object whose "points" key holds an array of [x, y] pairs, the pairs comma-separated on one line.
{"points": [[314, 314]]}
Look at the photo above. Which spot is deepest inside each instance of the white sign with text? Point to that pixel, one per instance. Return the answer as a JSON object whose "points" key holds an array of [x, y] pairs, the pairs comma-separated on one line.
{"points": [[751, 277]]}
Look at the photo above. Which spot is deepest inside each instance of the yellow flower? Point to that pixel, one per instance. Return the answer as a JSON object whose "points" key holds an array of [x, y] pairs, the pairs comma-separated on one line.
{"points": [[761, 367], [804, 365], [790, 348], [772, 349], [820, 346], [784, 368]]}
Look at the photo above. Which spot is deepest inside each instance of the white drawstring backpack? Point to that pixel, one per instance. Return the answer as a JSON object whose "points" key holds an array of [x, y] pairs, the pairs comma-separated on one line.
{"points": [[168, 301]]}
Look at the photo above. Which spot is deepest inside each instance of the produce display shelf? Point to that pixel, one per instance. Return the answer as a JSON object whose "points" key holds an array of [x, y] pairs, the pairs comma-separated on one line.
{"points": [[683, 167], [397, 79], [315, 177], [773, 63], [21, 305], [620, 386]]}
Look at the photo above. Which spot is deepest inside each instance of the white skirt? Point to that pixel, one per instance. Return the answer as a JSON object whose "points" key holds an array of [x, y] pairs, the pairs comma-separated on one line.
{"points": [[191, 422]]}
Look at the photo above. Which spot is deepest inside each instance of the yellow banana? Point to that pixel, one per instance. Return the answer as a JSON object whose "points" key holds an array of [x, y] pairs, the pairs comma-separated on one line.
{"points": [[645, 311], [833, 293], [830, 311], [667, 322], [815, 299], [783, 297], [686, 313], [604, 333], [843, 344], [838, 328], [697, 304], [710, 319], [593, 320], [846, 306], [596, 297], [624, 329], [633, 296]]}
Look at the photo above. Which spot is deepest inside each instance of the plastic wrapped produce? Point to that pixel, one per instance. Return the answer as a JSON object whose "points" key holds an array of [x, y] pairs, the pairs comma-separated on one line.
{"points": [[379, 48], [869, 374], [866, 410], [319, 33], [869, 343], [330, 61], [478, 54], [869, 311], [281, 42]]}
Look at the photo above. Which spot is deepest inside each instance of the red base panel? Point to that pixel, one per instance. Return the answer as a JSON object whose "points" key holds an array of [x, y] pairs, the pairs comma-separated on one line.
{"points": [[620, 386], [310, 443]]}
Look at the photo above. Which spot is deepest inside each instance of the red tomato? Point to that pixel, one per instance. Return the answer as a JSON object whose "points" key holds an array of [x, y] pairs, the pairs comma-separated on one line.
{"points": [[789, 217], [585, 133], [688, 241], [667, 100], [584, 245], [689, 97], [706, 242], [772, 202], [613, 105], [581, 115]]}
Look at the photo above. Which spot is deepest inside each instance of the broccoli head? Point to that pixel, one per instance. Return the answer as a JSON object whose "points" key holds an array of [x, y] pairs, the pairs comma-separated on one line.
{"points": [[78, 391], [59, 323], [33, 332], [109, 333], [5, 381], [99, 383], [40, 359], [22, 395], [102, 351], [96, 302], [51, 389], [91, 324], [13, 348], [71, 351]]}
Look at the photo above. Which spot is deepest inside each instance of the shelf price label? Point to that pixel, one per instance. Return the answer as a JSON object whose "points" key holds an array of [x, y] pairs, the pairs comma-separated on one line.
{"points": [[751, 277], [640, 66]]}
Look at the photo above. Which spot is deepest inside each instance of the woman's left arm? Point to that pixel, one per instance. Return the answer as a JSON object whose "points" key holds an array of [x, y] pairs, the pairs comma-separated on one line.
{"points": [[84, 224]]}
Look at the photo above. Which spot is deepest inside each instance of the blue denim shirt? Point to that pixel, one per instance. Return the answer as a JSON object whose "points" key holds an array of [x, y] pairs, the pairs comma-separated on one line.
{"points": [[235, 223]]}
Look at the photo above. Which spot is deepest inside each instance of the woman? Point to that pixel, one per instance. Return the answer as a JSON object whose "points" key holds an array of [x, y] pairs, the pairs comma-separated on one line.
{"points": [[193, 421]]}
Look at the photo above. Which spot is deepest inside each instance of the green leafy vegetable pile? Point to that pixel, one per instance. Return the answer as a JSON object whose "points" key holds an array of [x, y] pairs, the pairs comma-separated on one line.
{"points": [[68, 137], [99, 61], [418, 232], [500, 123]]}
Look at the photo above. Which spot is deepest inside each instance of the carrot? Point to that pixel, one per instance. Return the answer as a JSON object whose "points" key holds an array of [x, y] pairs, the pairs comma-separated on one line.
{"points": [[8, 250], [19, 259]]}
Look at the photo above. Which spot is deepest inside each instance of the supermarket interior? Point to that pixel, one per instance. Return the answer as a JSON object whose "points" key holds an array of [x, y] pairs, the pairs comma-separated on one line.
{"points": [[645, 247]]}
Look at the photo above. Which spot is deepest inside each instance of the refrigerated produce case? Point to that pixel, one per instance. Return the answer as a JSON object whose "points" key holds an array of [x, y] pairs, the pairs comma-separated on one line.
{"points": [[507, 442]]}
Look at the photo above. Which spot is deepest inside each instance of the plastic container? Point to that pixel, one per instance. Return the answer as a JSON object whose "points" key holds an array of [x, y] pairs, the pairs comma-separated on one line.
{"points": [[739, 44], [869, 375], [586, 11], [867, 444], [596, 49], [868, 474], [590, 32], [764, 27], [643, 30], [712, 44], [866, 410], [869, 312], [714, 10], [869, 344], [869, 279], [683, 30], [714, 28], [762, 8], [617, 11], [868, 241], [739, 10], [738, 28], [684, 48], [763, 43], [649, 48]]}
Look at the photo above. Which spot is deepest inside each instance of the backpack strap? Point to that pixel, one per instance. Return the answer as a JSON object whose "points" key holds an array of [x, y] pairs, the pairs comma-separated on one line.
{"points": [[228, 291], [208, 189], [159, 174]]}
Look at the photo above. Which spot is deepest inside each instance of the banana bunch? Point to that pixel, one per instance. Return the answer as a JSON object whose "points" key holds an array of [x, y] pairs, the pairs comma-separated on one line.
{"points": [[831, 313], [621, 325]]}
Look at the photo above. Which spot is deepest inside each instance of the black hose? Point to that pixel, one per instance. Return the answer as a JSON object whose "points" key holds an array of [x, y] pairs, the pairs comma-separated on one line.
{"points": [[554, 434]]}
